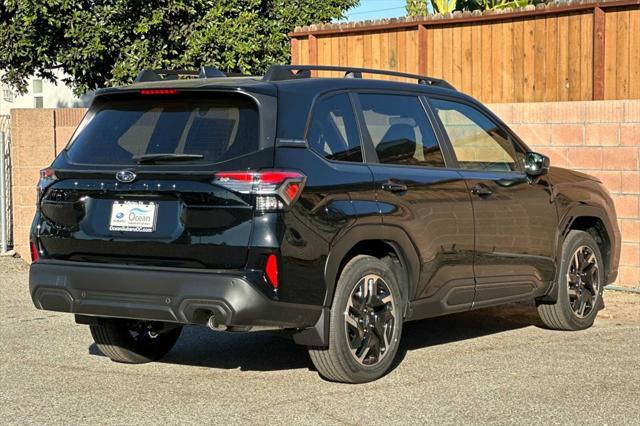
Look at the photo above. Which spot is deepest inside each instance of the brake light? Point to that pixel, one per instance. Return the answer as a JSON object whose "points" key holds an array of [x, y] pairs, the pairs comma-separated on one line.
{"points": [[274, 188], [35, 254], [158, 92], [292, 190], [272, 270]]}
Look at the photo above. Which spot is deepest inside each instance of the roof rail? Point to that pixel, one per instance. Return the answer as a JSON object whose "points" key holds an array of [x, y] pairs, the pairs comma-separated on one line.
{"points": [[293, 72], [160, 75]]}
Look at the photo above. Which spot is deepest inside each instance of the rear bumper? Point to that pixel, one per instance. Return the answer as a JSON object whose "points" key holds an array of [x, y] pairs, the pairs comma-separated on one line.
{"points": [[160, 294]]}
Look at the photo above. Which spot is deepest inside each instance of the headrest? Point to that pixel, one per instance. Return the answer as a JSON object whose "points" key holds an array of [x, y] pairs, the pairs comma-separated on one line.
{"points": [[398, 144]]}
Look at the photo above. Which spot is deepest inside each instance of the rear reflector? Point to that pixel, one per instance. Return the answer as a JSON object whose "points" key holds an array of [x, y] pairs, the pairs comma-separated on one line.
{"points": [[273, 187], [158, 92], [35, 255], [272, 270]]}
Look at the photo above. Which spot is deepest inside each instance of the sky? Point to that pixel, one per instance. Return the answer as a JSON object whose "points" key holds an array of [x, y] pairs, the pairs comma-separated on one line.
{"points": [[376, 9]]}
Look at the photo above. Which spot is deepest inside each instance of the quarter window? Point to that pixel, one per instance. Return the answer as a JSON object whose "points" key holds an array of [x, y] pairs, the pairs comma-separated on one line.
{"points": [[400, 130], [478, 143], [333, 132]]}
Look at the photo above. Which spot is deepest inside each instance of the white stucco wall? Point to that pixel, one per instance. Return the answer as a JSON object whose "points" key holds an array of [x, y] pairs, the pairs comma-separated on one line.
{"points": [[53, 96]]}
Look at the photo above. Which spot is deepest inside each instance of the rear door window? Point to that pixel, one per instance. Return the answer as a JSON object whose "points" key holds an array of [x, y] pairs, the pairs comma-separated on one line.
{"points": [[215, 128], [334, 132], [400, 130]]}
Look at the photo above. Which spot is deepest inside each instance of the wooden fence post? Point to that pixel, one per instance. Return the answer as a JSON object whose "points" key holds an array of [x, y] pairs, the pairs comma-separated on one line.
{"points": [[294, 51], [313, 53], [599, 23], [422, 50], [313, 50]]}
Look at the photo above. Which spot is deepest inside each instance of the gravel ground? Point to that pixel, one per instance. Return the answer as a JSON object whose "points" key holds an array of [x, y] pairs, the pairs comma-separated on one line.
{"points": [[493, 366]]}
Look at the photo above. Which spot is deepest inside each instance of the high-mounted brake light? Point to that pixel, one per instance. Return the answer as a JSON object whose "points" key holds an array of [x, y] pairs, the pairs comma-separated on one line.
{"points": [[274, 188], [158, 92]]}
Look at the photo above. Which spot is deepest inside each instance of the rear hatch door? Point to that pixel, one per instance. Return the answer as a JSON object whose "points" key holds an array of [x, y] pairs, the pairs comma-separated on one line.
{"points": [[135, 185]]}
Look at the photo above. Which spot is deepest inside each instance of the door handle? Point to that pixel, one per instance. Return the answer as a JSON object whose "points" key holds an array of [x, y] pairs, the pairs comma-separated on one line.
{"points": [[481, 191], [394, 187]]}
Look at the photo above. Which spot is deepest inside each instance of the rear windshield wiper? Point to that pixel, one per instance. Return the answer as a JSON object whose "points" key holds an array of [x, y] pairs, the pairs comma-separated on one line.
{"points": [[152, 158]]}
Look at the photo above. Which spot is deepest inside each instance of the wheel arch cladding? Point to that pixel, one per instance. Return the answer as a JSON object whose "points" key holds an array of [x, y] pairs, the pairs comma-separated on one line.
{"points": [[594, 221], [372, 241], [596, 228], [598, 224]]}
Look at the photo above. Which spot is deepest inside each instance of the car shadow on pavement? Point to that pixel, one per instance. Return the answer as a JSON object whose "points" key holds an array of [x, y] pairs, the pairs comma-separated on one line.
{"points": [[468, 325], [265, 351]]}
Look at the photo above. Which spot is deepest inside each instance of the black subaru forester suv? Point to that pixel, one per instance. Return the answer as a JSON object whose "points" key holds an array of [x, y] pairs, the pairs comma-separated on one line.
{"points": [[332, 209]]}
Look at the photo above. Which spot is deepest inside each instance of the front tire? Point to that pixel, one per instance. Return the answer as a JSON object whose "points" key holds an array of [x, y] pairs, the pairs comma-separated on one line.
{"points": [[134, 342], [580, 284], [365, 325]]}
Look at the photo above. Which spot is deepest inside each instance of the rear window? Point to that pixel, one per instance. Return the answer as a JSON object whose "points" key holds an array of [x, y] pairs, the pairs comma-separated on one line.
{"points": [[217, 128]]}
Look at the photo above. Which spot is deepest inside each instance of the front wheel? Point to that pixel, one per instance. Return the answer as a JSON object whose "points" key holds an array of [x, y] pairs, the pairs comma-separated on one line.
{"points": [[365, 324], [580, 284], [134, 342]]}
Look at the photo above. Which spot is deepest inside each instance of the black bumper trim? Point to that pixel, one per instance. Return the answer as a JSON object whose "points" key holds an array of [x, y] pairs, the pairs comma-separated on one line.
{"points": [[160, 295]]}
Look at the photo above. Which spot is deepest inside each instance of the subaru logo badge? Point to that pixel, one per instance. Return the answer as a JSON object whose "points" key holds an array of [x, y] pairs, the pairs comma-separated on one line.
{"points": [[126, 176]]}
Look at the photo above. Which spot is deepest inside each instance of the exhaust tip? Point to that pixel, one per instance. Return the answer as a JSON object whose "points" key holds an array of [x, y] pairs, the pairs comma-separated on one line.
{"points": [[214, 325]]}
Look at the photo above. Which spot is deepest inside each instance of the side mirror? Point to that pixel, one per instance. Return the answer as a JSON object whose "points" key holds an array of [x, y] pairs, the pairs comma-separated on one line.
{"points": [[536, 164]]}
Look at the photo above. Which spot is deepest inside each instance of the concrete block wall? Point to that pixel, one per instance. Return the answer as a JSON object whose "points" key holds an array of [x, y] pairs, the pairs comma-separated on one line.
{"points": [[601, 138]]}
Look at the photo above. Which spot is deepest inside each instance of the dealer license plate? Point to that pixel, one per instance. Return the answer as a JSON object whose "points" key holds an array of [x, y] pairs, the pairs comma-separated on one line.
{"points": [[133, 216]]}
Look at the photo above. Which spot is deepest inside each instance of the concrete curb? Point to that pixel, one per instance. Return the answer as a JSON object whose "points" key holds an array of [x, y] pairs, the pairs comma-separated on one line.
{"points": [[625, 289]]}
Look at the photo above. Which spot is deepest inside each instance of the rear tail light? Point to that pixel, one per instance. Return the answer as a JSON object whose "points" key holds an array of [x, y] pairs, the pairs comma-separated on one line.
{"points": [[35, 254], [47, 177], [271, 270], [274, 189], [48, 174]]}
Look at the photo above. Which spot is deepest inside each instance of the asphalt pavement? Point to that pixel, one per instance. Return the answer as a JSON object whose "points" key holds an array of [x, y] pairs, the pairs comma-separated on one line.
{"points": [[492, 366]]}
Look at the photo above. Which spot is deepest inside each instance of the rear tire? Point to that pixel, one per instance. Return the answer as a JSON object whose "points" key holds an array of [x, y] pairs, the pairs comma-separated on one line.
{"points": [[365, 324], [580, 284], [134, 342]]}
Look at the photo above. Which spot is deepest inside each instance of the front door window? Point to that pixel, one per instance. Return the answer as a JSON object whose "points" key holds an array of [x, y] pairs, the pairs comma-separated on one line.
{"points": [[478, 143]]}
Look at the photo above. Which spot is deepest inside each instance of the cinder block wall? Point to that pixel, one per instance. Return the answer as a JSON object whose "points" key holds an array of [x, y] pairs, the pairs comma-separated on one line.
{"points": [[601, 138]]}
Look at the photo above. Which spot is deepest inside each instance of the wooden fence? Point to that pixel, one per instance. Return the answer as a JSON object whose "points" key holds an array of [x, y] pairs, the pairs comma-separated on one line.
{"points": [[553, 52]]}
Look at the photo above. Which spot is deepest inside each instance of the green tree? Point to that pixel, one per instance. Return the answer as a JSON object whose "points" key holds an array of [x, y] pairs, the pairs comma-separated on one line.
{"points": [[416, 7], [106, 42], [420, 7], [503, 4]]}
